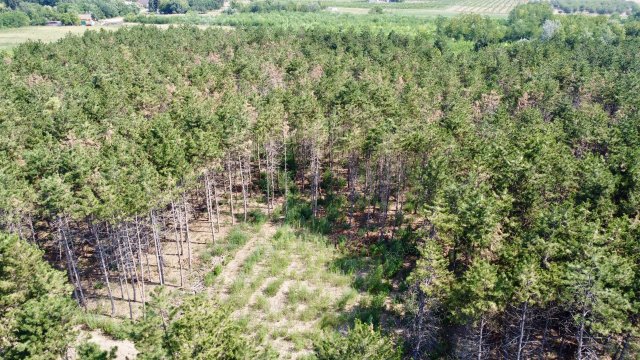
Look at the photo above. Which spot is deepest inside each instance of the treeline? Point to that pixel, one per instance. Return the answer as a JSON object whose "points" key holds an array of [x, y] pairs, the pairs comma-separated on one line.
{"points": [[513, 160], [270, 6], [183, 6], [596, 6], [16, 13]]}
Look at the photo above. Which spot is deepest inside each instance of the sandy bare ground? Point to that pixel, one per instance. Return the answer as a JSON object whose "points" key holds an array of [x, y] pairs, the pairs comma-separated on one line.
{"points": [[126, 350]]}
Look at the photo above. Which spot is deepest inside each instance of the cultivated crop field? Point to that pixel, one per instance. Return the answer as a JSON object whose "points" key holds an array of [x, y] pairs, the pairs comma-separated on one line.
{"points": [[431, 8]]}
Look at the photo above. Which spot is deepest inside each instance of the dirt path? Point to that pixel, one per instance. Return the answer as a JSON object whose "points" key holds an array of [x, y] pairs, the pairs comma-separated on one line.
{"points": [[232, 269]]}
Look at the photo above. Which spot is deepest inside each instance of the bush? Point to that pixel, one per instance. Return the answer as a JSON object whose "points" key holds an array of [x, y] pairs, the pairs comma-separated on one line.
{"points": [[173, 6], [91, 351], [11, 19], [35, 304], [376, 10], [361, 342]]}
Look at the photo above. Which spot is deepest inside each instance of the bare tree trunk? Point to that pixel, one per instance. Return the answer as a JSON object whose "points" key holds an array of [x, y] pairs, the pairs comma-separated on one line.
{"points": [[544, 338], [141, 279], [123, 271], [177, 238], [185, 204], [71, 264], [215, 198], [207, 192], [384, 195], [244, 190], [523, 319], [268, 167], [105, 271], [352, 176], [481, 339], [286, 176], [581, 331], [133, 263], [158, 246], [229, 171]]}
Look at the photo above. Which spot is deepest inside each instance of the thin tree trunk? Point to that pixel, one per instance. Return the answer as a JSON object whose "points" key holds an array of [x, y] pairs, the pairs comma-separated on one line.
{"points": [[523, 319], [133, 264], [124, 271], [207, 185], [481, 339], [233, 219], [177, 238], [215, 198], [185, 204], [105, 271], [158, 246], [267, 179], [286, 176], [244, 190], [73, 271], [141, 279]]}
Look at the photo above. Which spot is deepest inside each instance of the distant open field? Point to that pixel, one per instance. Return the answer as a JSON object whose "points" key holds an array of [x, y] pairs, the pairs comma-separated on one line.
{"points": [[10, 38], [13, 37]]}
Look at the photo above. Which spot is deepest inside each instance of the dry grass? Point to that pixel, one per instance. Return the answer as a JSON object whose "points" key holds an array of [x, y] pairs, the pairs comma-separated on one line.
{"points": [[10, 38]]}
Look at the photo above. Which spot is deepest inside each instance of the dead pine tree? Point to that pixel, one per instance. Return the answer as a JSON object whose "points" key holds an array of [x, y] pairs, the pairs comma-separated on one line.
{"points": [[244, 189], [141, 280], [123, 274], [185, 220], [229, 173], [103, 265], [158, 246], [352, 178], [177, 239], [74, 276], [209, 202]]}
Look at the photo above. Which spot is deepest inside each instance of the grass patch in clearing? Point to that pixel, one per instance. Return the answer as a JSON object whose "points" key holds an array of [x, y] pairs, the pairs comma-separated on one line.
{"points": [[299, 293], [261, 303], [210, 277], [252, 260], [116, 329], [272, 288]]}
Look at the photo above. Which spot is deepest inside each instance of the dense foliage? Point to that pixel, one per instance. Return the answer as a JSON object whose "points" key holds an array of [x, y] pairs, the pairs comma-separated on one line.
{"points": [[35, 304], [22, 13], [360, 343], [596, 6], [197, 329], [510, 148], [269, 6]]}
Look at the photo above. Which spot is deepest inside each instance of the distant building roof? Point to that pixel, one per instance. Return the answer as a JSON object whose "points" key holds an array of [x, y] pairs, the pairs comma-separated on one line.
{"points": [[85, 17]]}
